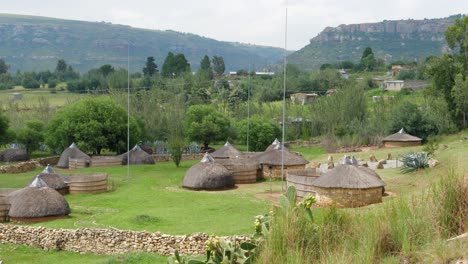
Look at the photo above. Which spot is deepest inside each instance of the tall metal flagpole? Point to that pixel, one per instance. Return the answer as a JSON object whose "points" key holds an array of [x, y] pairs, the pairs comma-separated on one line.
{"points": [[128, 110], [284, 96], [248, 112]]}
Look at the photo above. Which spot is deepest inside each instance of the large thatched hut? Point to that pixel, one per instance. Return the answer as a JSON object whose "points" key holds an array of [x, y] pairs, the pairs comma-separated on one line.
{"points": [[208, 175], [348, 186], [401, 139], [72, 152], [14, 153], [37, 203], [228, 151], [52, 180], [271, 161], [137, 156]]}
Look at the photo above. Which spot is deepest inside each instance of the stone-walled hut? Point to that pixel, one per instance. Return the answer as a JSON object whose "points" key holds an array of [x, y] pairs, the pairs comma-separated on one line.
{"points": [[349, 186], [271, 160], [208, 175], [72, 152], [401, 139]]}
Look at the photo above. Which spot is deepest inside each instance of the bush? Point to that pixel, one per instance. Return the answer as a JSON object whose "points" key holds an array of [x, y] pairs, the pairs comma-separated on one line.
{"points": [[414, 161], [261, 132], [31, 136]]}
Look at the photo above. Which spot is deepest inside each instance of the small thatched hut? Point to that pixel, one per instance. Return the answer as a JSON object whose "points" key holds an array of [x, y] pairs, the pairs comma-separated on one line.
{"points": [[275, 145], [37, 203], [72, 152], [14, 154], [208, 175], [137, 156], [349, 186], [226, 152], [401, 139], [271, 161], [52, 180]]}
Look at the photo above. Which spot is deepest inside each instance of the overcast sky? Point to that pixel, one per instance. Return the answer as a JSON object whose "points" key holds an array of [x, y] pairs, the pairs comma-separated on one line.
{"points": [[259, 22]]}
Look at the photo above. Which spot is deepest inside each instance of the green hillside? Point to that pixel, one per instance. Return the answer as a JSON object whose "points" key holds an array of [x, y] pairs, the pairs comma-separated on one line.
{"points": [[36, 43]]}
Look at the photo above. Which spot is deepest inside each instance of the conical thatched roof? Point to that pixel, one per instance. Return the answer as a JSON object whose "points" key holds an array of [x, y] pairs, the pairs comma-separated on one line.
{"points": [[52, 180], [401, 136], [226, 152], [37, 182], [208, 175], [273, 157], [48, 170], [274, 145], [137, 156], [33, 202], [71, 152], [14, 154], [349, 177]]}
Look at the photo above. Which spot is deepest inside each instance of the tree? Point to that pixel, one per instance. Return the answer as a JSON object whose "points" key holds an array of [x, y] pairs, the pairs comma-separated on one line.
{"points": [[106, 69], [168, 65], [457, 36], [218, 65], [261, 132], [32, 135], [460, 97], [175, 65], [94, 124], [204, 124], [3, 67], [61, 66], [181, 64], [4, 123], [368, 60], [205, 67], [150, 67]]}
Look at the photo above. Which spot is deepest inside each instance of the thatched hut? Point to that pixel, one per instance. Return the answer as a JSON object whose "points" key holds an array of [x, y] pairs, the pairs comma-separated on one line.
{"points": [[52, 180], [275, 145], [272, 160], [14, 154], [302, 180], [401, 139], [137, 156], [4, 203], [228, 151], [37, 203], [349, 186], [72, 152], [208, 175]]}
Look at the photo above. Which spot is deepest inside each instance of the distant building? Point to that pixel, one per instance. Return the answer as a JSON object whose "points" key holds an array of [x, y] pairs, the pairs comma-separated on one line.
{"points": [[344, 74], [232, 73], [393, 85], [303, 98], [265, 73]]}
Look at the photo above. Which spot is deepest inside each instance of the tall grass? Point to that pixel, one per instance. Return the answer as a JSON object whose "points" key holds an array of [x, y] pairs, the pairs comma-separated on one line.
{"points": [[401, 230]]}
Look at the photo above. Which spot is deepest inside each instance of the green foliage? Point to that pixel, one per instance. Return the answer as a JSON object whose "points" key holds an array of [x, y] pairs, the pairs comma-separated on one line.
{"points": [[4, 123], [261, 132], [175, 65], [460, 97], [431, 145], [94, 124], [368, 60], [176, 148], [218, 65], [150, 67], [3, 67], [413, 161], [205, 67], [204, 124], [457, 37], [32, 135], [106, 69]]}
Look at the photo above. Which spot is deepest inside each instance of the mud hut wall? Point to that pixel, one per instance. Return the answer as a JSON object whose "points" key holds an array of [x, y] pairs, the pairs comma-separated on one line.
{"points": [[241, 172], [276, 170], [4, 207], [397, 144], [101, 161], [78, 163], [94, 183], [348, 197], [302, 181]]}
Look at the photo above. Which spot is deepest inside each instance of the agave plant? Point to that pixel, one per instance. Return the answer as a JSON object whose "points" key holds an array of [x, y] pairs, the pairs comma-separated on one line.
{"points": [[414, 160]]}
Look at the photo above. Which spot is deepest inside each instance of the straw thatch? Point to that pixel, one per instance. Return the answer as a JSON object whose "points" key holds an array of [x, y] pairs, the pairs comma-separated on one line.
{"points": [[137, 156], [275, 145], [72, 152], [52, 180], [275, 157], [33, 204], [226, 152], [401, 136], [14, 154], [208, 175], [349, 177]]}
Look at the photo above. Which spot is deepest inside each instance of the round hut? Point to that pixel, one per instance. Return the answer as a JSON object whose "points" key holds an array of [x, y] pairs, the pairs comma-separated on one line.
{"points": [[275, 145], [208, 175], [88, 183], [302, 180], [52, 180], [37, 203], [137, 156], [228, 151], [348, 186], [72, 152], [14, 154], [272, 160], [401, 139]]}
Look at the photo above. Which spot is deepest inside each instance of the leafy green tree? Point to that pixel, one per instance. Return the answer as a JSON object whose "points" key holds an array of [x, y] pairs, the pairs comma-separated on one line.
{"points": [[457, 37], [150, 68], [368, 60], [218, 65], [3, 67], [106, 69], [168, 68], [460, 97], [32, 135], [181, 64], [175, 65], [4, 123], [261, 132], [61, 66], [94, 124], [205, 67], [204, 124]]}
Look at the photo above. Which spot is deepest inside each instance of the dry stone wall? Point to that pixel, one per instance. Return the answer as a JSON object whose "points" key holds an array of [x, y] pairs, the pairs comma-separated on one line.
{"points": [[106, 241], [28, 165], [161, 157]]}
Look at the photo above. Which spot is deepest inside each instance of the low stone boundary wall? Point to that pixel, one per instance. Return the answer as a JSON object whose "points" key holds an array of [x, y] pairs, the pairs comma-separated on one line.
{"points": [[106, 241], [167, 157], [28, 165]]}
